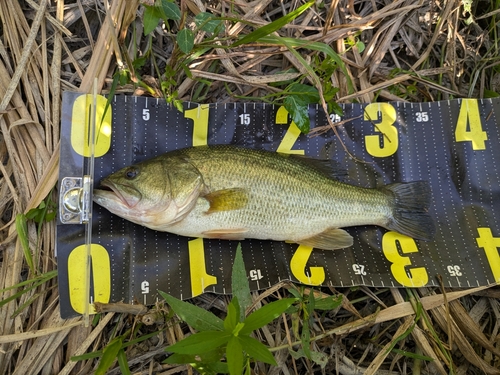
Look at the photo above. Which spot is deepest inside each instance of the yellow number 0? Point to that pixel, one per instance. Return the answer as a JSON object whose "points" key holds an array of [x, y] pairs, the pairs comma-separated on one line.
{"points": [[101, 275], [386, 144]]}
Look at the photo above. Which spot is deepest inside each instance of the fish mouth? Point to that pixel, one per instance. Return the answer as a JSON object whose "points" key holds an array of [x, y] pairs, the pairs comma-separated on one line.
{"points": [[110, 192]]}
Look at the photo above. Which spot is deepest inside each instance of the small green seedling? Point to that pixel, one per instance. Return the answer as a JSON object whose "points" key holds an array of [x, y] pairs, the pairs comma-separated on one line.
{"points": [[225, 346]]}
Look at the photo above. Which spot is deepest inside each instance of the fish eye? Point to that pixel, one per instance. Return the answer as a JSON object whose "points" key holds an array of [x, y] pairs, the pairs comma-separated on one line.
{"points": [[131, 173]]}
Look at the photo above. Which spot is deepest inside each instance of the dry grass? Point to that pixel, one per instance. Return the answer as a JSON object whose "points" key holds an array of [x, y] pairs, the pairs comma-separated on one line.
{"points": [[47, 48]]}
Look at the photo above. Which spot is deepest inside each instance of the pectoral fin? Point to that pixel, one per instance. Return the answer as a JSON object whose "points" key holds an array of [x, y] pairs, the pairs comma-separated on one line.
{"points": [[226, 200], [226, 234], [330, 239]]}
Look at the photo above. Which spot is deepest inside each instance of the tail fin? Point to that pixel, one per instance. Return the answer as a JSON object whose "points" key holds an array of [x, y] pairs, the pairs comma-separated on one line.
{"points": [[410, 210]]}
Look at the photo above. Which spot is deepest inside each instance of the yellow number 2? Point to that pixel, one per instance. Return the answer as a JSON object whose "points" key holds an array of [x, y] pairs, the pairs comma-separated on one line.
{"points": [[291, 135]]}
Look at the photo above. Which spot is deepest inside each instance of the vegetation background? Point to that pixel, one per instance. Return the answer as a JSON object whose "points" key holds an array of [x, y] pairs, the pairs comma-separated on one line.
{"points": [[328, 52]]}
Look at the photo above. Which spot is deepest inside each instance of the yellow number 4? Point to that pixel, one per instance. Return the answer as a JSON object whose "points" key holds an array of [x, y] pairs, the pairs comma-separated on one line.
{"points": [[469, 127]]}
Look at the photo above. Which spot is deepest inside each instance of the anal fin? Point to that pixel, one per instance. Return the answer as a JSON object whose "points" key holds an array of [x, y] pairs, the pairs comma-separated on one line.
{"points": [[330, 239], [226, 234]]}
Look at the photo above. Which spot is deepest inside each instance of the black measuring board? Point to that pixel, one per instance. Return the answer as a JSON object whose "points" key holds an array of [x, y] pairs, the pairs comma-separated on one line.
{"points": [[451, 144]]}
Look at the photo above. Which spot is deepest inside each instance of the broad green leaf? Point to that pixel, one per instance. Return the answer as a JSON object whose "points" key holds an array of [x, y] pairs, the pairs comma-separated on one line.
{"points": [[213, 356], [306, 94], [212, 368], [201, 342], [490, 94], [150, 19], [207, 22], [273, 26], [257, 350], [198, 318], [297, 101], [180, 359], [239, 283], [109, 355], [170, 10], [360, 45], [185, 40], [299, 112], [22, 232], [265, 315], [233, 315], [234, 356], [329, 303]]}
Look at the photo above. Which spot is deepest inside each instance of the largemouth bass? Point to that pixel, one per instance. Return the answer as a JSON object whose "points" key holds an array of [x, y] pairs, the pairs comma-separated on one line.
{"points": [[234, 193]]}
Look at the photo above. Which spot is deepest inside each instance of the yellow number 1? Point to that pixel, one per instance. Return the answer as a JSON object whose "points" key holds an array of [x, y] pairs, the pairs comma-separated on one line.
{"points": [[199, 115]]}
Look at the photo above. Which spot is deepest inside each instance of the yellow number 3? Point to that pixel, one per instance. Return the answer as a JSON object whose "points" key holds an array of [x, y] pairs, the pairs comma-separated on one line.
{"points": [[387, 143], [401, 267]]}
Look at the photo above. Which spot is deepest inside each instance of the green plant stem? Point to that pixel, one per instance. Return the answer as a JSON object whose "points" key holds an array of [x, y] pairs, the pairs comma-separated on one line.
{"points": [[346, 328]]}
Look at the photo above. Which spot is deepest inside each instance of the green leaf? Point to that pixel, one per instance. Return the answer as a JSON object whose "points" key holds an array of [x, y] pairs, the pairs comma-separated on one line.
{"points": [[22, 232], [299, 113], [306, 93], [329, 303], [150, 19], [317, 357], [233, 315], [239, 283], [170, 10], [305, 338], [212, 356], [290, 43], [297, 101], [257, 350], [185, 40], [123, 363], [360, 45], [412, 355], [273, 26], [234, 356], [490, 94], [109, 355], [201, 342], [265, 315], [180, 359], [206, 21], [198, 318]]}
